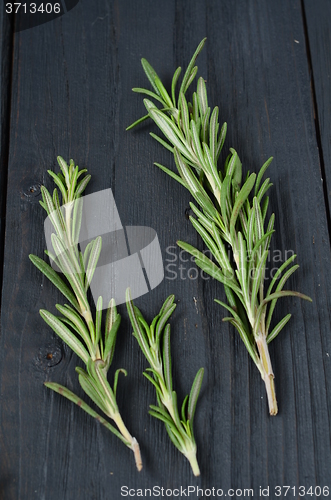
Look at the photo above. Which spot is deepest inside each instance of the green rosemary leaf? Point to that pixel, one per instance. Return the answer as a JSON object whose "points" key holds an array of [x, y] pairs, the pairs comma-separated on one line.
{"points": [[175, 415], [93, 261], [84, 406], [90, 387], [55, 279], [142, 119], [258, 278], [154, 383], [167, 358], [272, 335], [151, 94], [225, 208], [270, 230], [77, 220], [110, 340], [87, 253], [263, 189], [140, 336], [173, 84], [82, 186], [205, 127], [204, 220], [195, 110], [235, 167], [241, 198], [57, 206], [194, 394], [175, 437], [258, 229], [261, 174], [195, 252], [280, 285], [197, 146], [65, 334], [202, 97], [98, 320], [191, 78], [64, 168], [162, 321], [207, 238], [151, 74], [120, 370], [242, 268], [278, 295], [74, 317], [183, 410], [264, 207], [171, 174], [184, 115], [245, 338], [69, 270], [221, 139], [167, 304], [73, 182], [43, 204], [186, 174], [213, 130], [60, 185], [279, 272], [161, 411], [191, 65], [212, 168], [163, 417], [161, 141], [170, 131], [215, 272], [164, 94]]}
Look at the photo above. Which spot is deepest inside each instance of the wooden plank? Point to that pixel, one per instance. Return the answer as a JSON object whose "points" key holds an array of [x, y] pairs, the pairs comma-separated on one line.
{"points": [[259, 74], [71, 96], [317, 18], [6, 36]]}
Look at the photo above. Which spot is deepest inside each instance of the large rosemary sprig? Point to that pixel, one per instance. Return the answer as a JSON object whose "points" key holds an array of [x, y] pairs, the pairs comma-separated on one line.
{"points": [[228, 216], [154, 341], [76, 326]]}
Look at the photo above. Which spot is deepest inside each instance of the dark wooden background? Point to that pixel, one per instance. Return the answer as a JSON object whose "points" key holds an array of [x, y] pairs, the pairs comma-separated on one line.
{"points": [[65, 89]]}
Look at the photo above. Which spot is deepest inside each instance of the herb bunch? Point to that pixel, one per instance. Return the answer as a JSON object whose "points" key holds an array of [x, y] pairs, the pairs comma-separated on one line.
{"points": [[229, 216], [92, 343], [154, 341]]}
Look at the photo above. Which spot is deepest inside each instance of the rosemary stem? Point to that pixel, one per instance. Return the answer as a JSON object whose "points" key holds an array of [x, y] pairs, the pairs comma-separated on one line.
{"points": [[192, 458], [132, 440], [268, 375]]}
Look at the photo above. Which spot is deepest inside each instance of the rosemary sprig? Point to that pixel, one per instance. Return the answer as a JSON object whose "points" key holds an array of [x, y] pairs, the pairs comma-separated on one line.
{"points": [[229, 216], [76, 326], [154, 341]]}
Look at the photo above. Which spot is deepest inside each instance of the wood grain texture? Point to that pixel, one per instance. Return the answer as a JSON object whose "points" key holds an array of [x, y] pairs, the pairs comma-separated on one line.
{"points": [[317, 18], [71, 95], [5, 88]]}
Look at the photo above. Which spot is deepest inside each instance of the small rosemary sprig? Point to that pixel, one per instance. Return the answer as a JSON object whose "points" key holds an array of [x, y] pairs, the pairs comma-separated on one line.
{"points": [[228, 216], [154, 341], [76, 326]]}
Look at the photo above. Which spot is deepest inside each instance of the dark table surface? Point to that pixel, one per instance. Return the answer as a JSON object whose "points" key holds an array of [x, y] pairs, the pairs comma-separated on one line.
{"points": [[65, 89]]}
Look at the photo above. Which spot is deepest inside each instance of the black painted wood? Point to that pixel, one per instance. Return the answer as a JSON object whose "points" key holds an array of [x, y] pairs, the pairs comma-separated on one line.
{"points": [[71, 96], [5, 89], [317, 18]]}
